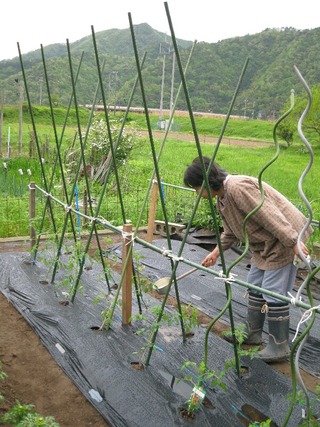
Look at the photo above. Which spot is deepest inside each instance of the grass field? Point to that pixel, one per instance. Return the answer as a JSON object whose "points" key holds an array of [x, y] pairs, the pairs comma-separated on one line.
{"points": [[284, 173]]}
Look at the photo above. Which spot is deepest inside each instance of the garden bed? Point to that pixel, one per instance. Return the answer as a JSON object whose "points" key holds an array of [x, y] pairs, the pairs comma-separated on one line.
{"points": [[128, 395]]}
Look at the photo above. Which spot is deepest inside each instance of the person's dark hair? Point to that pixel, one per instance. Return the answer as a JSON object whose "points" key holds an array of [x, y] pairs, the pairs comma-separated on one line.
{"points": [[193, 176]]}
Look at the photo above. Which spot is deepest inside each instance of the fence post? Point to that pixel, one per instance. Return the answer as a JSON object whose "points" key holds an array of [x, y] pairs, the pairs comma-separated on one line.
{"points": [[32, 210], [152, 211], [127, 281]]}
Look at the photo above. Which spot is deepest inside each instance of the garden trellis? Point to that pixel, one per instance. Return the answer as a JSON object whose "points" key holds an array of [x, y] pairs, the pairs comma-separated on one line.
{"points": [[175, 259]]}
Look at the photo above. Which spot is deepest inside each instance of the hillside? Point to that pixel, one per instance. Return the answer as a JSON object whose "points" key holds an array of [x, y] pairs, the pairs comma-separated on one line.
{"points": [[211, 78]]}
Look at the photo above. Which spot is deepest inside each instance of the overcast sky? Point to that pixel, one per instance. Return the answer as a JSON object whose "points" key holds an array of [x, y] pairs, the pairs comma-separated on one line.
{"points": [[35, 22]]}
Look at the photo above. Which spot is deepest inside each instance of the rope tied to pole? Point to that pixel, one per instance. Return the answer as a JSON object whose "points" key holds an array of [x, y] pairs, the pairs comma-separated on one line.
{"points": [[168, 253], [229, 279], [304, 318], [294, 299], [128, 235]]}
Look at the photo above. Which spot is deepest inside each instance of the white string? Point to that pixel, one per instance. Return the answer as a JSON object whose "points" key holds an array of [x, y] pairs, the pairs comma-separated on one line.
{"points": [[67, 208], [229, 279], [246, 294], [166, 252], [294, 299], [169, 254], [176, 258], [126, 234], [305, 317]]}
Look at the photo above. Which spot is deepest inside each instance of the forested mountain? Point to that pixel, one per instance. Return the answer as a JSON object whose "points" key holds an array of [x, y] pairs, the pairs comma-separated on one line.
{"points": [[212, 75]]}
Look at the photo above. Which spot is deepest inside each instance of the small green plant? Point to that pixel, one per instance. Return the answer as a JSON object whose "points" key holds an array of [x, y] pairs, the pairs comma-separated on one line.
{"points": [[313, 420], [69, 261], [195, 400], [265, 423], [25, 416], [240, 336], [106, 312], [3, 376], [144, 285], [210, 376], [147, 325], [189, 315], [204, 376]]}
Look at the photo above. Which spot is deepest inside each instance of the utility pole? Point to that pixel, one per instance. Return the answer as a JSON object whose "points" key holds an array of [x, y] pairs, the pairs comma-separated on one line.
{"points": [[172, 82], [162, 85], [162, 89], [1, 120], [113, 82], [40, 94], [20, 85]]}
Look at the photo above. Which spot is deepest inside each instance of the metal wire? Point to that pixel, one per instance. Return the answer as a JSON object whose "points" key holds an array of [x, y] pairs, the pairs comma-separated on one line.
{"points": [[299, 343]]}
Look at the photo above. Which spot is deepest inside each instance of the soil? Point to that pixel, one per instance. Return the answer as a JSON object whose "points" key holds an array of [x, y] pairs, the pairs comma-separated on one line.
{"points": [[33, 377], [210, 139]]}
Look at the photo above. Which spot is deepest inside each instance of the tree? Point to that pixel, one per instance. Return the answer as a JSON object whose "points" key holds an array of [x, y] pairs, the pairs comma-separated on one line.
{"points": [[311, 125], [98, 153]]}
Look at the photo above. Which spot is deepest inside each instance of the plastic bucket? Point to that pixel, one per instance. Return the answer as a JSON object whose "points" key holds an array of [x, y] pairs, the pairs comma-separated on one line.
{"points": [[161, 285]]}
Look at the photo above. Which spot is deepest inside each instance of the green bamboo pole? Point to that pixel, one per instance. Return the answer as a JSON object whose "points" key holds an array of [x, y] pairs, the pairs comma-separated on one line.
{"points": [[43, 174], [156, 168], [109, 170], [57, 142], [294, 363], [231, 280], [71, 198], [56, 162]]}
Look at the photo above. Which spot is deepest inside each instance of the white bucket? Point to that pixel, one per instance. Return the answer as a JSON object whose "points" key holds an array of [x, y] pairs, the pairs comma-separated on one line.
{"points": [[161, 285]]}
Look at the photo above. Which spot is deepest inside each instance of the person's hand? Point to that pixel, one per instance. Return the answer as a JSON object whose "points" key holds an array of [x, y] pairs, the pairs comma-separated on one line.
{"points": [[211, 259], [303, 248]]}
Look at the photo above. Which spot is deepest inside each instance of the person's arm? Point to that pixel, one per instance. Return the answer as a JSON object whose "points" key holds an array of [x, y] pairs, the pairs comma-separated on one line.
{"points": [[211, 258]]}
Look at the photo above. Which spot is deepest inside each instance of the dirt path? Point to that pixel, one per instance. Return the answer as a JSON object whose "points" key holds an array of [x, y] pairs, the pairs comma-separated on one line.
{"points": [[35, 378], [208, 139]]}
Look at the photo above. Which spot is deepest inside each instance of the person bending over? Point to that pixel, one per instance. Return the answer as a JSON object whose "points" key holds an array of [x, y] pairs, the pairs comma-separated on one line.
{"points": [[272, 233]]}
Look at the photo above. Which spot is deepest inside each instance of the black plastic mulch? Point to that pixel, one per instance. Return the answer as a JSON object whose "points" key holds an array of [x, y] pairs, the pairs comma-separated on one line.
{"points": [[102, 364]]}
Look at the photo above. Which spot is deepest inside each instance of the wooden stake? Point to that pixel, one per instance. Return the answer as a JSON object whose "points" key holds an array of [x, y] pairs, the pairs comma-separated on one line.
{"points": [[127, 282], [152, 210]]}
